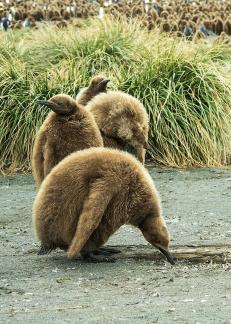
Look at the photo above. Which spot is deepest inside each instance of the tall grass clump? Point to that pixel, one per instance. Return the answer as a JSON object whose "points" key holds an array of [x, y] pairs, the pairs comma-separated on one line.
{"points": [[188, 103], [185, 87]]}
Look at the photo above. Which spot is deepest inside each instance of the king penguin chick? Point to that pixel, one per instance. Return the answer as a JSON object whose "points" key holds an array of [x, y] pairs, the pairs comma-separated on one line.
{"points": [[91, 194], [122, 120], [97, 85], [68, 128]]}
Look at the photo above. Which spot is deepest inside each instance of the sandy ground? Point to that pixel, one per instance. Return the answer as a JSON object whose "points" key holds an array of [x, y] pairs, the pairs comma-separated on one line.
{"points": [[53, 289]]}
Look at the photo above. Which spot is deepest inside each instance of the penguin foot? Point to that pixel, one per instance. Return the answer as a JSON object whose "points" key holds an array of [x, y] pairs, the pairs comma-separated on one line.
{"points": [[106, 251], [44, 249], [97, 258]]}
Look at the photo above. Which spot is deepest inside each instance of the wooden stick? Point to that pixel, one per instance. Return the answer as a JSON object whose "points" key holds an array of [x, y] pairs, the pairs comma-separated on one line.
{"points": [[193, 253]]}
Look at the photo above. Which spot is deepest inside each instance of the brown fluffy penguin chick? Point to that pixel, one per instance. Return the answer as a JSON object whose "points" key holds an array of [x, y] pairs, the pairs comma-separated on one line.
{"points": [[97, 85], [122, 120], [68, 128], [91, 194]]}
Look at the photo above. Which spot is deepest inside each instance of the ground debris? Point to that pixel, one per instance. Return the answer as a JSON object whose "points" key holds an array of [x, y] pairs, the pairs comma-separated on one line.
{"points": [[193, 253]]}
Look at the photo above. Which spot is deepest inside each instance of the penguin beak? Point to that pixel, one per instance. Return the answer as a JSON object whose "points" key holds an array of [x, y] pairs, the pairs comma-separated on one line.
{"points": [[103, 83], [53, 106], [167, 255], [46, 103]]}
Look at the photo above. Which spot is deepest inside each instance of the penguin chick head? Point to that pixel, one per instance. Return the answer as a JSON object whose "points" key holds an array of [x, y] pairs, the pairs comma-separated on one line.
{"points": [[129, 121], [155, 231], [132, 133], [61, 104], [120, 115], [98, 84]]}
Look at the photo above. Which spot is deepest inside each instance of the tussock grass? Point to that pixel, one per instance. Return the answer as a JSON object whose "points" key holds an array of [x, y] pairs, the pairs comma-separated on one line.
{"points": [[185, 87]]}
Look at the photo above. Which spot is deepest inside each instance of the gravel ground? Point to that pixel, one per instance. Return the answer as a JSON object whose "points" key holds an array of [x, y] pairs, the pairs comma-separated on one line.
{"points": [[53, 289]]}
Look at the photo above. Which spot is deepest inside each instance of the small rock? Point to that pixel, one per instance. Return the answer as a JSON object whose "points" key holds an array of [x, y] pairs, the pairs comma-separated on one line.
{"points": [[157, 294]]}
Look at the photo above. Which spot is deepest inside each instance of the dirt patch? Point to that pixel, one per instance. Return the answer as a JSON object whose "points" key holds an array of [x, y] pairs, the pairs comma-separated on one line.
{"points": [[53, 289]]}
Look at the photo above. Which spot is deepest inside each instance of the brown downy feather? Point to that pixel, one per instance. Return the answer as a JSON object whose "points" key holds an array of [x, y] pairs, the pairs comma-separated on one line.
{"points": [[97, 85], [165, 27], [218, 26], [67, 129], [227, 27], [90, 195], [122, 120], [164, 14]]}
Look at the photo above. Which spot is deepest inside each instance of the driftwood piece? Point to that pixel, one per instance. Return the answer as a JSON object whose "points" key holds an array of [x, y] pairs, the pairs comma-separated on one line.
{"points": [[192, 253]]}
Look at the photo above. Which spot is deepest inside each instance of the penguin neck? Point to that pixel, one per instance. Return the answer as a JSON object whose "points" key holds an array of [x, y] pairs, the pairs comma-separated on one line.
{"points": [[116, 139]]}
